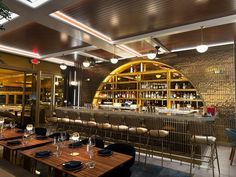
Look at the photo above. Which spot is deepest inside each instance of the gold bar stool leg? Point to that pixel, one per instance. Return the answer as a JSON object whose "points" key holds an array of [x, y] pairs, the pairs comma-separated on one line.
{"points": [[217, 158]]}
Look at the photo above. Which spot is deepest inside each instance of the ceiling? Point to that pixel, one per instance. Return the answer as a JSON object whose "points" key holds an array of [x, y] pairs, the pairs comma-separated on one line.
{"points": [[69, 31]]}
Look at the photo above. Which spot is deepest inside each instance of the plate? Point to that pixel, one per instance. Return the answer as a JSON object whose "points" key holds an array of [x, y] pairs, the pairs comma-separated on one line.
{"points": [[105, 152], [41, 137], [42, 154], [72, 165]]}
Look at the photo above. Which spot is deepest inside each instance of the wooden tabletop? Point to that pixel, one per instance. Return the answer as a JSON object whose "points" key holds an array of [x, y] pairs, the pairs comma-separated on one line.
{"points": [[102, 164], [32, 142], [11, 134]]}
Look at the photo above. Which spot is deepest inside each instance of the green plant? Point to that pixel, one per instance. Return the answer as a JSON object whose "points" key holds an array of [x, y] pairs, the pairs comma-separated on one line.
{"points": [[4, 13]]}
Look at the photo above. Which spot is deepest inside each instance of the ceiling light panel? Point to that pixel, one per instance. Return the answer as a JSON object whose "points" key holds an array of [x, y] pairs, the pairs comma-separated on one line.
{"points": [[33, 3], [13, 16], [59, 61]]}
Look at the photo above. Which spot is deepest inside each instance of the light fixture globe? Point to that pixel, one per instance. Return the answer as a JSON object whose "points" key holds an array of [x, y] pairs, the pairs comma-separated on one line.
{"points": [[63, 66], [114, 60], [86, 63], [151, 56], [202, 48]]}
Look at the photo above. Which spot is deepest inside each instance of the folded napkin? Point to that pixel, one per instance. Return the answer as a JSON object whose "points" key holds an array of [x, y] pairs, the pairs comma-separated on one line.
{"points": [[105, 152], [13, 142], [45, 153], [72, 165], [41, 137], [20, 131], [76, 144]]}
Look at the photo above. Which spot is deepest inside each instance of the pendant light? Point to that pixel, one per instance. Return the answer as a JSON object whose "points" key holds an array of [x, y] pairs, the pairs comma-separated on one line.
{"points": [[114, 60], [86, 63], [62, 65], [202, 48]]}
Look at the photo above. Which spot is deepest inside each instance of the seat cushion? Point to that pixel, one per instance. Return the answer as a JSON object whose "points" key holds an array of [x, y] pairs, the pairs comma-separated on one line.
{"points": [[52, 119], [159, 133], [138, 130], [92, 124], [78, 122], [203, 139], [104, 125]]}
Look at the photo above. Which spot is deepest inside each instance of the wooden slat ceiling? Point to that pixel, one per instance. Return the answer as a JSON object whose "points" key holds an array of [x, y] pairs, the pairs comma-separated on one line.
{"points": [[36, 36], [142, 47], [102, 53], [217, 34], [124, 18]]}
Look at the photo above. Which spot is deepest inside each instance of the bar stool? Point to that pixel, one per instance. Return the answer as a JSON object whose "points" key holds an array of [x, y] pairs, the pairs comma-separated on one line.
{"points": [[202, 133], [102, 123], [135, 130], [118, 127], [62, 119], [87, 121], [74, 119], [155, 132]]}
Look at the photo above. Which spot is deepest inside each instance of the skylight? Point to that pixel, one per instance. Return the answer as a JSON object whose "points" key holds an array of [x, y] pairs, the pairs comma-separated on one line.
{"points": [[13, 16], [33, 3]]}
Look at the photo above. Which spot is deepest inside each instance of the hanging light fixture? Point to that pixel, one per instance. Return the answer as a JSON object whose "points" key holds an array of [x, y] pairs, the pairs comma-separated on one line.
{"points": [[86, 63], [151, 55], [114, 60], [202, 48], [63, 66]]}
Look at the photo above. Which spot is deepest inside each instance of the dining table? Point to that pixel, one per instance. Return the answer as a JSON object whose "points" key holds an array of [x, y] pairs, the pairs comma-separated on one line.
{"points": [[103, 164], [11, 133], [11, 147]]}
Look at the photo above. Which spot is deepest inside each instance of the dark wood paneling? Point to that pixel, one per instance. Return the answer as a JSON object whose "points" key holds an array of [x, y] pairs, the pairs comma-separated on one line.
{"points": [[36, 36], [217, 34], [123, 18], [101, 53], [142, 47]]}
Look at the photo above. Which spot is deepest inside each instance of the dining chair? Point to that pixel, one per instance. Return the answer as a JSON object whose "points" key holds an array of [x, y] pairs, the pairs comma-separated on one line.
{"points": [[123, 170], [231, 134]]}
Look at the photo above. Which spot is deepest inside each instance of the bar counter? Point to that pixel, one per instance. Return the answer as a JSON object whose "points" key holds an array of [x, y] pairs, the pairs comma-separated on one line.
{"points": [[193, 116]]}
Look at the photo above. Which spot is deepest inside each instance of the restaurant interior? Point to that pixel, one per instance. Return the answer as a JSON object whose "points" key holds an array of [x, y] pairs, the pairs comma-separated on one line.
{"points": [[117, 88]]}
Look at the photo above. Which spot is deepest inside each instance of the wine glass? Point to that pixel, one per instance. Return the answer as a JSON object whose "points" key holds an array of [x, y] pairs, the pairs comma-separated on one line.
{"points": [[92, 141], [25, 138], [1, 126], [57, 143]]}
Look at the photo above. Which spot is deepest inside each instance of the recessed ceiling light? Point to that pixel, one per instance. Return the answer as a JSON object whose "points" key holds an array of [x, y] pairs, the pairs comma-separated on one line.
{"points": [[13, 16], [33, 3]]}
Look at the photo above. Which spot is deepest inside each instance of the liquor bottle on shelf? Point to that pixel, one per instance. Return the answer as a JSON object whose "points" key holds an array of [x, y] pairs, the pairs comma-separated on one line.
{"points": [[131, 69], [176, 86], [184, 86]]}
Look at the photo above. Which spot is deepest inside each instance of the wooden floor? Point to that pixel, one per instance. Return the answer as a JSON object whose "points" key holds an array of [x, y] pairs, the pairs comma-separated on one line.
{"points": [[203, 171]]}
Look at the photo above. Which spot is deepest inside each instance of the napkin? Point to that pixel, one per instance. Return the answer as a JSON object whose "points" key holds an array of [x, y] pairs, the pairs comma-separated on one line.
{"points": [[75, 145], [45, 153], [105, 152], [13, 142], [41, 137], [72, 165]]}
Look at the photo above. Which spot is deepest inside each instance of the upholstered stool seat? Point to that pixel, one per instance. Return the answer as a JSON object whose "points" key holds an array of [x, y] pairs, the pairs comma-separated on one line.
{"points": [[104, 125], [159, 133], [138, 130], [203, 139]]}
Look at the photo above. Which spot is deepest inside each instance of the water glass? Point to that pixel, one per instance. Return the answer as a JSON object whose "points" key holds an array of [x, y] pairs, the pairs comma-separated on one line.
{"points": [[90, 152], [92, 141]]}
